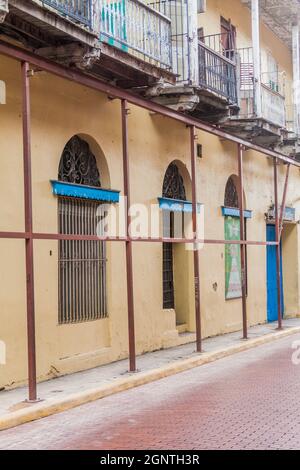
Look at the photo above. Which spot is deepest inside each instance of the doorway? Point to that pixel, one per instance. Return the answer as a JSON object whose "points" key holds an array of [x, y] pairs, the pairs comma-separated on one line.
{"points": [[272, 302]]}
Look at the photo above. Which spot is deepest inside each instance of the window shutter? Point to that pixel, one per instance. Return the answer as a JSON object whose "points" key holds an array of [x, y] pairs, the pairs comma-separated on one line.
{"points": [[201, 6]]}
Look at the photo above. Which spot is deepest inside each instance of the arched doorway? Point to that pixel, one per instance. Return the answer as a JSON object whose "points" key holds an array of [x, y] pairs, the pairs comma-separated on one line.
{"points": [[82, 263]]}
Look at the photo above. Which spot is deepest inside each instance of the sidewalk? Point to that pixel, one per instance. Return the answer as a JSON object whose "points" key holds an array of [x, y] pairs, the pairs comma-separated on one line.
{"points": [[72, 390]]}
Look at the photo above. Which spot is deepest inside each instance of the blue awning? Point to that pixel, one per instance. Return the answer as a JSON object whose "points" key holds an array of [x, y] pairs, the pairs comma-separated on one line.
{"points": [[288, 216], [80, 191], [177, 205], [233, 212]]}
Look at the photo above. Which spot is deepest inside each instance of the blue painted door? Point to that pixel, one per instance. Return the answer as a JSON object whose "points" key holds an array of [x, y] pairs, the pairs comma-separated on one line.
{"points": [[271, 277]]}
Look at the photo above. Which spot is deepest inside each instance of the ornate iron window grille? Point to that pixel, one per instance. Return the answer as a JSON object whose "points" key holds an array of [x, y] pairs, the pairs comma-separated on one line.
{"points": [[231, 195], [78, 164], [173, 185], [82, 263]]}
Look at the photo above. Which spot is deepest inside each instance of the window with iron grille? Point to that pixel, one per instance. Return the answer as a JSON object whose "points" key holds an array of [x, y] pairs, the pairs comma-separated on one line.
{"points": [[233, 288], [82, 263], [231, 198], [173, 188]]}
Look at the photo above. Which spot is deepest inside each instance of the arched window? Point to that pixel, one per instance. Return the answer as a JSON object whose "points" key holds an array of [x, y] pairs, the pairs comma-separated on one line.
{"points": [[82, 263], [231, 195], [78, 164], [173, 188]]}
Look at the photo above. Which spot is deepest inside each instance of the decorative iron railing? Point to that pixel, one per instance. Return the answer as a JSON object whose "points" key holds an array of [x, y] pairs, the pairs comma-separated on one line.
{"points": [[178, 12], [217, 73], [77, 10], [136, 28]]}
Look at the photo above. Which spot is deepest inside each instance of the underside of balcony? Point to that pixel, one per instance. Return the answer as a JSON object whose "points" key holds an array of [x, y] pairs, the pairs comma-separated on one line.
{"points": [[198, 101], [290, 146], [256, 130], [72, 41]]}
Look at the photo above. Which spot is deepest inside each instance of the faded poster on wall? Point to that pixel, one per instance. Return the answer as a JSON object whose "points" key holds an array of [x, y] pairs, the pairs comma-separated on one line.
{"points": [[233, 284]]}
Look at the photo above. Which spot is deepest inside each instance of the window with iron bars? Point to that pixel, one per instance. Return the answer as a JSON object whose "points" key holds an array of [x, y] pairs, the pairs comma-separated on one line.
{"points": [[173, 188], [82, 263]]}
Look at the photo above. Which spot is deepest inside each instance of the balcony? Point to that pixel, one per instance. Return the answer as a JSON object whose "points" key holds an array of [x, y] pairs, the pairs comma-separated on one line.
{"points": [[137, 29], [217, 70], [271, 125], [128, 25], [217, 79], [124, 41], [206, 83]]}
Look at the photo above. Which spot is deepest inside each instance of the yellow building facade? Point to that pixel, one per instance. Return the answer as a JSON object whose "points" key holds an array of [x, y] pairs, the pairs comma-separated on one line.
{"points": [[61, 110]]}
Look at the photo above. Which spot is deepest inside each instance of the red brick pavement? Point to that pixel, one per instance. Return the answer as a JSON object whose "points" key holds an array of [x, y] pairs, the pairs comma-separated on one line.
{"points": [[247, 401]]}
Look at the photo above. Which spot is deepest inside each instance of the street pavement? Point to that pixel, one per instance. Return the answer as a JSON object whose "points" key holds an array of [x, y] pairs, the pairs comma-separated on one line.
{"points": [[246, 401]]}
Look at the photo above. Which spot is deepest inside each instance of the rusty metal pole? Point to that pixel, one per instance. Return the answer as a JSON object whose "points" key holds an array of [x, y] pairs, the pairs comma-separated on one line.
{"points": [[282, 208], [28, 230], [128, 243], [242, 237], [277, 238], [195, 234]]}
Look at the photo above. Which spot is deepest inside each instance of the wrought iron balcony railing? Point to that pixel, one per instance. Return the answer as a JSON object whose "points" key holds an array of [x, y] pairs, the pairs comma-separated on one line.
{"points": [[77, 10], [217, 73], [134, 27], [222, 43]]}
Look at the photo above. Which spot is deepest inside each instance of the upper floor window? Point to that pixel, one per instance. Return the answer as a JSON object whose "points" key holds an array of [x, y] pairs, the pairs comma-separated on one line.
{"points": [[228, 38]]}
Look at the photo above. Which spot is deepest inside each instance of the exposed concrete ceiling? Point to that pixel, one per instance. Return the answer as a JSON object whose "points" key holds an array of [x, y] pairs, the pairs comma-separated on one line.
{"points": [[279, 16]]}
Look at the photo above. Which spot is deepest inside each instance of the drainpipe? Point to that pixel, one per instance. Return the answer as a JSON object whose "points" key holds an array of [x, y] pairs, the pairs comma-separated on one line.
{"points": [[192, 25], [256, 57], [296, 76]]}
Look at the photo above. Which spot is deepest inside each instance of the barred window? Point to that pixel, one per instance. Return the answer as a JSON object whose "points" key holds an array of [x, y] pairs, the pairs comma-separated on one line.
{"points": [[82, 263], [173, 188]]}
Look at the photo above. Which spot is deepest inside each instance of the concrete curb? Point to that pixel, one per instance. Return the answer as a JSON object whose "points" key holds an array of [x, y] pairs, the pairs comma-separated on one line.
{"points": [[52, 406]]}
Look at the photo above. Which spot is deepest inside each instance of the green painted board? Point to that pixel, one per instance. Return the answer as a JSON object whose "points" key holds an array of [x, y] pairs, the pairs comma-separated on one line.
{"points": [[233, 285]]}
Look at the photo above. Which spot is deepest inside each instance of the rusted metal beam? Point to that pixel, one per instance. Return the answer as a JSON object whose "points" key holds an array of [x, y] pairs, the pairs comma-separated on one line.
{"points": [[277, 235], [283, 204], [28, 228], [97, 84], [242, 237], [128, 243], [195, 247], [19, 235], [60, 236]]}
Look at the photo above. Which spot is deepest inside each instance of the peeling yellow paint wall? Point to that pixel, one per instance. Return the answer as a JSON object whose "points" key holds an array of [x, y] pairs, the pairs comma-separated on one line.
{"points": [[61, 109]]}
